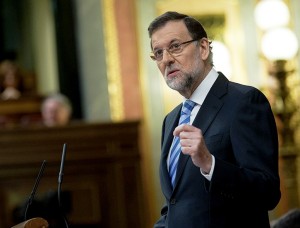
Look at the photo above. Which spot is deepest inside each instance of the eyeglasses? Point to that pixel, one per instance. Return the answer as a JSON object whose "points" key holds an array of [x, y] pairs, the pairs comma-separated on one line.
{"points": [[173, 49]]}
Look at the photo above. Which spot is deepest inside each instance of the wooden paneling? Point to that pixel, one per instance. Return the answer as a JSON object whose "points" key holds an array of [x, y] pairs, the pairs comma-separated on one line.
{"points": [[23, 111], [102, 172]]}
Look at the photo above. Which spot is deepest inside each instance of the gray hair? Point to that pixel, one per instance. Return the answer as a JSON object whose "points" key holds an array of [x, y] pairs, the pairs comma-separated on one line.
{"points": [[62, 99], [194, 27]]}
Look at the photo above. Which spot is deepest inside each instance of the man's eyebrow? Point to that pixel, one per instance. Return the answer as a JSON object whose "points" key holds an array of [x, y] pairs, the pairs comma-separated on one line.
{"points": [[171, 42]]}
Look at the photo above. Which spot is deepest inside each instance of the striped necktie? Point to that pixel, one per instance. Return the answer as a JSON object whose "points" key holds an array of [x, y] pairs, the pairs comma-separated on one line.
{"points": [[176, 148]]}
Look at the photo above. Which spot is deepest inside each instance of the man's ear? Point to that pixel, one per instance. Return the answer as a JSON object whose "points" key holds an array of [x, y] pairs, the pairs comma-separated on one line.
{"points": [[204, 48]]}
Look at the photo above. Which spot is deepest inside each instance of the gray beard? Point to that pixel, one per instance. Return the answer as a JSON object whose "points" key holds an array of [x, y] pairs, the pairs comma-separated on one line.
{"points": [[181, 86]]}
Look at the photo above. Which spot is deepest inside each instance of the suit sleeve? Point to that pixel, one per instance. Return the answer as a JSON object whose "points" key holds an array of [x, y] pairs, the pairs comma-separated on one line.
{"points": [[253, 178], [162, 220]]}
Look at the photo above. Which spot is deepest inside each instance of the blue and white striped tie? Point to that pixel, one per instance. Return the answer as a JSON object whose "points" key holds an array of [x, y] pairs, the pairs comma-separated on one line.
{"points": [[176, 148]]}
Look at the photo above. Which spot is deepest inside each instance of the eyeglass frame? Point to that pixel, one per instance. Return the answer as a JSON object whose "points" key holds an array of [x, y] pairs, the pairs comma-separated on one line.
{"points": [[152, 55]]}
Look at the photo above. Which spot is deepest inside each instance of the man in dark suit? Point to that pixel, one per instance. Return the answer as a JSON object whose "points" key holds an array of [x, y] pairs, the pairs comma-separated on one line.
{"points": [[226, 170]]}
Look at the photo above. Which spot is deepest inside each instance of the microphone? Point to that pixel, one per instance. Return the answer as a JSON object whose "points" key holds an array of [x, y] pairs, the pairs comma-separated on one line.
{"points": [[62, 163], [60, 179], [37, 181]]}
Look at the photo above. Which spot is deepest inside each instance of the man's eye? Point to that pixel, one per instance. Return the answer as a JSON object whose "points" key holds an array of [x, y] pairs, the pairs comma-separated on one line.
{"points": [[158, 52], [174, 46]]}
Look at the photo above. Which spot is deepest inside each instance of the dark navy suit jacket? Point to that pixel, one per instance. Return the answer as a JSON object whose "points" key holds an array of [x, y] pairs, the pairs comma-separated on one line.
{"points": [[239, 130]]}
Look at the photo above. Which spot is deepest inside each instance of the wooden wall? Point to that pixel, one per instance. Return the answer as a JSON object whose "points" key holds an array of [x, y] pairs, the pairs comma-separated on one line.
{"points": [[102, 172]]}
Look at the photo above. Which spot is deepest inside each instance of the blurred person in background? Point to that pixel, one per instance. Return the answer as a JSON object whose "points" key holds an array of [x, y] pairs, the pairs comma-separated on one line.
{"points": [[56, 110], [11, 81]]}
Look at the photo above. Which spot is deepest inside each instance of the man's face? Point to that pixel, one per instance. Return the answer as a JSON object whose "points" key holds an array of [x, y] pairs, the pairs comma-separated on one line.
{"points": [[55, 114], [183, 71]]}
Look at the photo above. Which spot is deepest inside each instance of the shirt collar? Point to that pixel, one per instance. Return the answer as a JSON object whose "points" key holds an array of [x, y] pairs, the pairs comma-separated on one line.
{"points": [[202, 90]]}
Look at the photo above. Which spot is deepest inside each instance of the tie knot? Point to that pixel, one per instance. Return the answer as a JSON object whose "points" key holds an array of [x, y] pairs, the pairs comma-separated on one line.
{"points": [[188, 107]]}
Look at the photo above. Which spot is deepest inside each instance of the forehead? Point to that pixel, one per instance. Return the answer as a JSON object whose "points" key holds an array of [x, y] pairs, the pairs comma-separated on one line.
{"points": [[172, 30], [52, 103]]}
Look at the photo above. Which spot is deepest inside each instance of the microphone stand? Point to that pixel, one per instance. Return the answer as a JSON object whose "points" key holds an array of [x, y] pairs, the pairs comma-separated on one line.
{"points": [[60, 179], [37, 181]]}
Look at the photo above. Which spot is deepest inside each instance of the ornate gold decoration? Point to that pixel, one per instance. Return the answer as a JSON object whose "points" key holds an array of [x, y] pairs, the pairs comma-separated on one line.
{"points": [[286, 109], [214, 25], [112, 61]]}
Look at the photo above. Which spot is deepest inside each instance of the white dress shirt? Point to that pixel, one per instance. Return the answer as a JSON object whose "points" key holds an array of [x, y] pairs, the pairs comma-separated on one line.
{"points": [[198, 97]]}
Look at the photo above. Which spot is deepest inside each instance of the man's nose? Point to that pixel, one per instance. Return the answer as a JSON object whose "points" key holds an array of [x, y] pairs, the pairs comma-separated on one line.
{"points": [[167, 56]]}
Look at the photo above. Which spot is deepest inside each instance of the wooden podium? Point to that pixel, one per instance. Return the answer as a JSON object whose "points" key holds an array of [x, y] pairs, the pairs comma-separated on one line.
{"points": [[33, 223], [102, 176]]}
